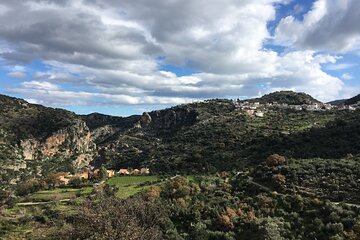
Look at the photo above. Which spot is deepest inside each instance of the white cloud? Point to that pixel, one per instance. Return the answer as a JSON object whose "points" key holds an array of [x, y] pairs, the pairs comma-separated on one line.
{"points": [[347, 76], [340, 66], [17, 74], [36, 85], [107, 52], [52, 95], [3, 9], [34, 101], [330, 25], [298, 9]]}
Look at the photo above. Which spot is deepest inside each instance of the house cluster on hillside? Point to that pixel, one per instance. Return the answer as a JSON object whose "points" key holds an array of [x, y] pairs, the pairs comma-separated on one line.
{"points": [[87, 173], [129, 171], [251, 108], [257, 109]]}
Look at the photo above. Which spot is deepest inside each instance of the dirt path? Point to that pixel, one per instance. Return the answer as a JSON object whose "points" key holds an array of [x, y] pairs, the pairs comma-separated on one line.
{"points": [[24, 204]]}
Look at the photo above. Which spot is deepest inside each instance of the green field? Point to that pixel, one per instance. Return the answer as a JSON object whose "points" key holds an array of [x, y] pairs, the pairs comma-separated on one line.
{"points": [[59, 194], [130, 185], [61, 200]]}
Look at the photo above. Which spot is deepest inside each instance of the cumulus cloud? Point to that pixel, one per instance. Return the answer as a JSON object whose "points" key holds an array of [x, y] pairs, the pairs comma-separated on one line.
{"points": [[347, 76], [16, 74], [330, 25], [111, 52]]}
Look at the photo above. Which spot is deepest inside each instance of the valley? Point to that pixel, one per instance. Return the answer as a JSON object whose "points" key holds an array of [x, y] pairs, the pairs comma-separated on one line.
{"points": [[217, 169]]}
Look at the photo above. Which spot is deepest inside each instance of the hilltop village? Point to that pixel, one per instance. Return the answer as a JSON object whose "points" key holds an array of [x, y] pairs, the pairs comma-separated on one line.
{"points": [[258, 109]]}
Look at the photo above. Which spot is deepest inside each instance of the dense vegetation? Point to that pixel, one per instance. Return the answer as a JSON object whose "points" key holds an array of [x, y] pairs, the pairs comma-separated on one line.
{"points": [[22, 120], [337, 180], [224, 206], [287, 97], [286, 175], [223, 138], [353, 100]]}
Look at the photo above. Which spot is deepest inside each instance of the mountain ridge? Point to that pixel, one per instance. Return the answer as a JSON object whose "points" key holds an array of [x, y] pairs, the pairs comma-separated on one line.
{"points": [[353, 100], [199, 137], [346, 102]]}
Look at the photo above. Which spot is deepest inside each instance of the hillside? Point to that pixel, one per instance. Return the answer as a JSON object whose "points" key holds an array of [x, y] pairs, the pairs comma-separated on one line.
{"points": [[35, 140], [226, 186], [207, 136], [288, 97], [353, 100], [222, 137], [337, 102]]}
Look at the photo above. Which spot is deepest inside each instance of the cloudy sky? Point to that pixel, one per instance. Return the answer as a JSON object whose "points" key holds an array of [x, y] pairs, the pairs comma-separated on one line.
{"points": [[129, 56]]}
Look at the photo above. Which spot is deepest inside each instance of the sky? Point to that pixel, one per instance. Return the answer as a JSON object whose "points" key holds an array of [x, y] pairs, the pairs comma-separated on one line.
{"points": [[130, 56]]}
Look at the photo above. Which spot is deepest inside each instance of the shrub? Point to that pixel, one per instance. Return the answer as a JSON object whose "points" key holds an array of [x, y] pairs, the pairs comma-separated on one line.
{"points": [[28, 187], [152, 193], [113, 218], [75, 182], [275, 160], [278, 181]]}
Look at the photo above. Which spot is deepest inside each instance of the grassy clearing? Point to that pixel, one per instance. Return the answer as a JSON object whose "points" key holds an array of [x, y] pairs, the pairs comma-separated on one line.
{"points": [[130, 180], [12, 225], [130, 185], [59, 194]]}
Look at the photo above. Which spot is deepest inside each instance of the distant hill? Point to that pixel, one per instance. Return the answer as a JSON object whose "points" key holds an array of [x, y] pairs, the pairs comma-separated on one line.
{"points": [[337, 102], [350, 101], [96, 120], [353, 100], [288, 97]]}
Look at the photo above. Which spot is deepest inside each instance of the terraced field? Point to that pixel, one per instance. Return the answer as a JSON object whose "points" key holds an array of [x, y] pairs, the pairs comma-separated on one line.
{"points": [[130, 185]]}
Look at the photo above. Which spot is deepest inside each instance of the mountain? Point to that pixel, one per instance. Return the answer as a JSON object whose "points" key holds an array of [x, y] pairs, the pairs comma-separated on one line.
{"points": [[350, 101], [337, 102], [288, 97], [250, 173], [208, 136], [35, 140], [134, 142], [353, 100], [214, 135]]}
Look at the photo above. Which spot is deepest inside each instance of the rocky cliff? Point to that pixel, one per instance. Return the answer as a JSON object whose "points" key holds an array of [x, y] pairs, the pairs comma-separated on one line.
{"points": [[46, 139], [168, 120], [131, 141], [72, 141]]}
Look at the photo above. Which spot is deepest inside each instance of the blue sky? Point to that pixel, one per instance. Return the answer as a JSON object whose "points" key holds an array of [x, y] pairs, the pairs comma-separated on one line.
{"points": [[123, 59]]}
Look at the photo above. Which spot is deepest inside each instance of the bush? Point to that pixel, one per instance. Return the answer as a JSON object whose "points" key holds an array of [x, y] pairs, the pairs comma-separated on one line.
{"points": [[75, 182], [278, 181], [275, 160], [26, 188], [132, 218]]}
